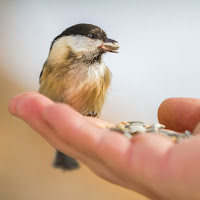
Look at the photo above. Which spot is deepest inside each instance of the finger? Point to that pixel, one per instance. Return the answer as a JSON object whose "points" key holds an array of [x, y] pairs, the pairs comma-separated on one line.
{"points": [[14, 101], [28, 107], [180, 114], [87, 139], [72, 126], [99, 123]]}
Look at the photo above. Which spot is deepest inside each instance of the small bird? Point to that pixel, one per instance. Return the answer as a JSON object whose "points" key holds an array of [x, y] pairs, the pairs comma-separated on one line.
{"points": [[74, 73]]}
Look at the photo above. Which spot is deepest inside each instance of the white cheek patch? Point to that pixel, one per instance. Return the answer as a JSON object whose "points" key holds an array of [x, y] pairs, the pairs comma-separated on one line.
{"points": [[81, 43], [58, 50], [77, 43]]}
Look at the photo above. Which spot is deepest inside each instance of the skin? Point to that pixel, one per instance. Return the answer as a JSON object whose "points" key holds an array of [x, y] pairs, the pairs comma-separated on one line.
{"points": [[150, 164]]}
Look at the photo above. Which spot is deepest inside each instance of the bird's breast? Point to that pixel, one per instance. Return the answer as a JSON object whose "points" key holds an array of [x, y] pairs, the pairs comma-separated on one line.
{"points": [[88, 89], [83, 87]]}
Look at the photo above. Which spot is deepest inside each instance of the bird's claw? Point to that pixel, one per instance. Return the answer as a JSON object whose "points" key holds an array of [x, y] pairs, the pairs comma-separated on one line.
{"points": [[92, 114]]}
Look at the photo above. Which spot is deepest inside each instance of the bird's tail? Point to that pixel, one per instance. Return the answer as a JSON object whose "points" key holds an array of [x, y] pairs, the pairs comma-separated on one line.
{"points": [[65, 162]]}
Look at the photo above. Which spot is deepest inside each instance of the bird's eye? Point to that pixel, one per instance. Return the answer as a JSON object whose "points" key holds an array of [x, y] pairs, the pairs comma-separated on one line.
{"points": [[90, 35]]}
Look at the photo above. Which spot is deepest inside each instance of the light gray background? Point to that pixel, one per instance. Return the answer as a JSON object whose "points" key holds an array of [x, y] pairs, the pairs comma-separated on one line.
{"points": [[159, 55]]}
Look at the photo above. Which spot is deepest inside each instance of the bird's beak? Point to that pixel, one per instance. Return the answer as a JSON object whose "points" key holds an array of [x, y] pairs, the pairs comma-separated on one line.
{"points": [[110, 46]]}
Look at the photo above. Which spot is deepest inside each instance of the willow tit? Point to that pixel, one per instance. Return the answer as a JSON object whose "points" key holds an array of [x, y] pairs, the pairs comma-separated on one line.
{"points": [[74, 73]]}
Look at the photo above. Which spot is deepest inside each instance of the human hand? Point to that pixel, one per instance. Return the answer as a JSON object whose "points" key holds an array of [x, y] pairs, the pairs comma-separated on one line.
{"points": [[149, 164]]}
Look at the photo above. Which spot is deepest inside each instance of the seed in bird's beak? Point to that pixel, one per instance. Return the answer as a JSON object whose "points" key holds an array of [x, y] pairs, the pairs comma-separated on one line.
{"points": [[110, 46]]}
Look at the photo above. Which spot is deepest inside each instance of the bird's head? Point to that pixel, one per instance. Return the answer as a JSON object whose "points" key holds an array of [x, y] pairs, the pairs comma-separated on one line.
{"points": [[82, 41]]}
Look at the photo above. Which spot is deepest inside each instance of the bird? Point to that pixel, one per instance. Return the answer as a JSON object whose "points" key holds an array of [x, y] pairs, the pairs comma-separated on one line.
{"points": [[75, 73]]}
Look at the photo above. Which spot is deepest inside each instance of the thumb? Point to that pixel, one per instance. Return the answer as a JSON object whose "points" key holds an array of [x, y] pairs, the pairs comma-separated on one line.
{"points": [[180, 114]]}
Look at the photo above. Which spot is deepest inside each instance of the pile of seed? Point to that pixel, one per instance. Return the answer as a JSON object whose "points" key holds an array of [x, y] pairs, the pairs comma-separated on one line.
{"points": [[135, 127]]}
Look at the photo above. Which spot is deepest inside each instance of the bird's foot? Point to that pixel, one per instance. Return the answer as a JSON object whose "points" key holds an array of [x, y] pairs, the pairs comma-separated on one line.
{"points": [[92, 114]]}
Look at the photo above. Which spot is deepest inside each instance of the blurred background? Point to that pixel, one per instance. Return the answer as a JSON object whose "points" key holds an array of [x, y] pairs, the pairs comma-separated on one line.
{"points": [[159, 58]]}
